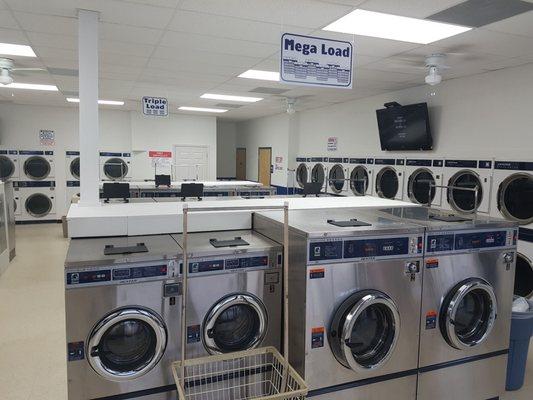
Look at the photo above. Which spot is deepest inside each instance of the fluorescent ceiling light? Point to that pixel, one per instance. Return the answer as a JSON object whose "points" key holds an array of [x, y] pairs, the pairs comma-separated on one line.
{"points": [[105, 102], [30, 86], [394, 27], [225, 97], [202, 109], [8, 49], [262, 75]]}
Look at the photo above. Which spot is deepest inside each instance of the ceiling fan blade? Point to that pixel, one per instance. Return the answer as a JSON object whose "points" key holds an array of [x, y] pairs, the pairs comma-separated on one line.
{"points": [[30, 69]]}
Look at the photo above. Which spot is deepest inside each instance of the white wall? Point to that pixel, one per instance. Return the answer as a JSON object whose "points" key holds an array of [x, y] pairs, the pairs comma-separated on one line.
{"points": [[226, 146], [120, 131]]}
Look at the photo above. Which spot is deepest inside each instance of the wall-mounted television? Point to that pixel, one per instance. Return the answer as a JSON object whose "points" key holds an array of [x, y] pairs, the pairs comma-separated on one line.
{"points": [[405, 127]]}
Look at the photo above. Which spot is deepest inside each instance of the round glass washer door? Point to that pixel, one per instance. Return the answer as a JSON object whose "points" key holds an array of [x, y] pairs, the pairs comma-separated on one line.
{"points": [[336, 178], [317, 174], [37, 167], [236, 322], [38, 205], [387, 184], [515, 198], [7, 167], [464, 200], [468, 314], [418, 188], [365, 330], [75, 168], [115, 168], [301, 175], [523, 282], [126, 344], [359, 180]]}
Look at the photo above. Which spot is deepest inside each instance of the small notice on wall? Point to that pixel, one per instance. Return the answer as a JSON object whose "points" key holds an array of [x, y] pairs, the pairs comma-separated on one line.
{"points": [[332, 143], [160, 158], [278, 166], [47, 137], [156, 106]]}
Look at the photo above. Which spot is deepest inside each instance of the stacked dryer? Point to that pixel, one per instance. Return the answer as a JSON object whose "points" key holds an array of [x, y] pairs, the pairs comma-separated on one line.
{"points": [[115, 166], [9, 164], [512, 199], [72, 164]]}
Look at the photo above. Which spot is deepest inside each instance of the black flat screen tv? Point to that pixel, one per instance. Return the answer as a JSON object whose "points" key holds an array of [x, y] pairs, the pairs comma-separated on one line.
{"points": [[405, 128]]}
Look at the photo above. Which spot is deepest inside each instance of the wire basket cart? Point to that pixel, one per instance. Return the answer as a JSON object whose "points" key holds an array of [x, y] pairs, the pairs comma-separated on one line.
{"points": [[259, 374]]}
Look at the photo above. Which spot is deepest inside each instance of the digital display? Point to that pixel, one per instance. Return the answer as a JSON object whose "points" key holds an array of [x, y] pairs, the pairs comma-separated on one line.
{"points": [[206, 266], [376, 247], [480, 240], [84, 277], [248, 262], [405, 128]]}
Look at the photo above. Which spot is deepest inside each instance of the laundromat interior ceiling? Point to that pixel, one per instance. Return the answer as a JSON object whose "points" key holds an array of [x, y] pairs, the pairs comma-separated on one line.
{"points": [[181, 49]]}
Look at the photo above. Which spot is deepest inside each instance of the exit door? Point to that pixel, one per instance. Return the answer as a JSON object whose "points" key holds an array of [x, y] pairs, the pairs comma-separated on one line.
{"points": [[190, 163], [265, 165], [240, 167]]}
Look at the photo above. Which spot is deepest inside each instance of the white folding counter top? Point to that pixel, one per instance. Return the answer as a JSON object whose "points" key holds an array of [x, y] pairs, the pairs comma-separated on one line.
{"points": [[177, 184], [118, 219]]}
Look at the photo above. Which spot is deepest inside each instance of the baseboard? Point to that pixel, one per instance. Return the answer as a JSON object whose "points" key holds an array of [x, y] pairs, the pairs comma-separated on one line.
{"points": [[46, 221]]}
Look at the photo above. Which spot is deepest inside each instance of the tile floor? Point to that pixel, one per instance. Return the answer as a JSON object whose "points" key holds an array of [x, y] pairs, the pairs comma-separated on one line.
{"points": [[32, 326]]}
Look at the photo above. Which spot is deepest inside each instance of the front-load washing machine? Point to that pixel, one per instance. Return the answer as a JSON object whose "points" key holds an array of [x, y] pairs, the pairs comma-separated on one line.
{"points": [[115, 166], [37, 165], [355, 288], [512, 199], [37, 200], [338, 183], [9, 164], [389, 178], [467, 297], [465, 174], [424, 181], [319, 171], [235, 293], [303, 171], [360, 177], [72, 165], [122, 303]]}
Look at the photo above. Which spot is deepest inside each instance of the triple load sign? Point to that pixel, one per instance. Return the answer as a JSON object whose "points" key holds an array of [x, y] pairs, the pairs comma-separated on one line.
{"points": [[156, 106]]}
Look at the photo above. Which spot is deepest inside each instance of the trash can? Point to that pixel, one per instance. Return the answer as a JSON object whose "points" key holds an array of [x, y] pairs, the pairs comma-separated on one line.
{"points": [[521, 331]]}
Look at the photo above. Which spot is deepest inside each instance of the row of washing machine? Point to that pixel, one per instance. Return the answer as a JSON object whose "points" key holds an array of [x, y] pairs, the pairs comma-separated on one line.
{"points": [[399, 301], [504, 190]]}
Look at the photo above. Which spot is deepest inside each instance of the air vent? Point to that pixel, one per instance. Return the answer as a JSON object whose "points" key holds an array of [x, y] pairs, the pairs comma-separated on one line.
{"points": [[478, 13], [227, 105], [267, 90], [63, 71]]}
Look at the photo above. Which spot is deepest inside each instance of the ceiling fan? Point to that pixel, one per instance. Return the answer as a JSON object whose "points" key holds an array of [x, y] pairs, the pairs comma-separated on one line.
{"points": [[7, 68]]}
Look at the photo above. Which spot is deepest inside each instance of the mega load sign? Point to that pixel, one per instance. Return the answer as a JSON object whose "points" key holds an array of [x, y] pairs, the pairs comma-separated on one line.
{"points": [[314, 61]]}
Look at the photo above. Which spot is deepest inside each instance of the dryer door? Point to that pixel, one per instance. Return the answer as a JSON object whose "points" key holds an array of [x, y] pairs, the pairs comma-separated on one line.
{"points": [[365, 330], [461, 195], [420, 183], [515, 198], [237, 322], [387, 183], [468, 314], [38, 205], [115, 168], [37, 167], [523, 282], [301, 175], [74, 168], [336, 178], [359, 181], [7, 167], [318, 175], [126, 344]]}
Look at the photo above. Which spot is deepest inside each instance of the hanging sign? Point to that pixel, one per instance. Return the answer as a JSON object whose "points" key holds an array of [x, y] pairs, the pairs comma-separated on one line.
{"points": [[332, 143], [156, 106], [314, 61], [47, 137], [160, 158]]}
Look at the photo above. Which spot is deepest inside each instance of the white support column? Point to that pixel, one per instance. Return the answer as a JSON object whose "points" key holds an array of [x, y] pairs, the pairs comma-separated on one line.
{"points": [[88, 88]]}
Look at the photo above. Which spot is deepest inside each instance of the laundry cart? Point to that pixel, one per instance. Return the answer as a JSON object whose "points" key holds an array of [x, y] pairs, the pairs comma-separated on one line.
{"points": [[257, 373]]}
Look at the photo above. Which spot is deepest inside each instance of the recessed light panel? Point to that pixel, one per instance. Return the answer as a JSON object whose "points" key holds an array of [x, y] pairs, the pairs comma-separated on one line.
{"points": [[203, 109], [243, 99], [261, 75], [394, 27], [8, 49], [103, 102], [30, 86]]}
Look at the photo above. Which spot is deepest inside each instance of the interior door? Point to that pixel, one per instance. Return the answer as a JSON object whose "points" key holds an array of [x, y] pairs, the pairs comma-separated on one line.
{"points": [[265, 164], [240, 167], [190, 163]]}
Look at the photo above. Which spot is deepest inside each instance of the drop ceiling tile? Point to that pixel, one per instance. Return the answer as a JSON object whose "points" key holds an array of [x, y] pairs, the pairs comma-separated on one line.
{"points": [[373, 74], [229, 27], [13, 36], [156, 3], [203, 57], [519, 25], [129, 34], [58, 63], [304, 13], [7, 20], [67, 83], [53, 40], [65, 8], [190, 65], [351, 3], [55, 52], [122, 59], [184, 42], [409, 8], [140, 50], [47, 23]]}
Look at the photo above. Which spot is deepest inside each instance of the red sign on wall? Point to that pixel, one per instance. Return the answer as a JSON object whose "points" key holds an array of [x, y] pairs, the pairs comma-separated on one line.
{"points": [[160, 154]]}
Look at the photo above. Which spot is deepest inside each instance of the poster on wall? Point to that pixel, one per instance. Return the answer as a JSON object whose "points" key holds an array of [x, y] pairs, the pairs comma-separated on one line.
{"points": [[332, 143], [314, 61], [155, 106], [278, 165], [47, 137], [160, 159]]}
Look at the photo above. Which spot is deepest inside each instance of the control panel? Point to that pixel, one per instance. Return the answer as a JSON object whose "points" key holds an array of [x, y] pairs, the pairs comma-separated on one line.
{"points": [[256, 261], [471, 240], [360, 249], [96, 276]]}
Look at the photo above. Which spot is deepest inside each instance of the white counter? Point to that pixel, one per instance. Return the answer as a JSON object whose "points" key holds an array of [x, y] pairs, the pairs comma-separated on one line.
{"points": [[154, 218], [177, 184]]}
